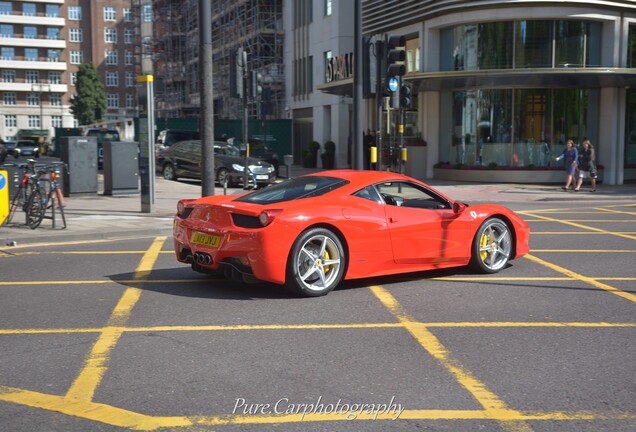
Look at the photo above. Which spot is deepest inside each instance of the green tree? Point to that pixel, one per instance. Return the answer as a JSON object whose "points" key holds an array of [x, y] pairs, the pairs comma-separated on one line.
{"points": [[89, 102]]}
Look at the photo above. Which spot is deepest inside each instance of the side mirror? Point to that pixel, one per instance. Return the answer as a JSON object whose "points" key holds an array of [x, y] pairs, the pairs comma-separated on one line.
{"points": [[458, 207]]}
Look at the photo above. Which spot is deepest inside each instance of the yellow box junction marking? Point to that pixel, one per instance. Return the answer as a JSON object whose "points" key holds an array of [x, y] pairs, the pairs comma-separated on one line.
{"points": [[78, 401], [83, 389]]}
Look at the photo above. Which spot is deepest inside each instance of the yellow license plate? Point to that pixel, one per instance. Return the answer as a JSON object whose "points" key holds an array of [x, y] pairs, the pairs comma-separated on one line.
{"points": [[205, 239]]}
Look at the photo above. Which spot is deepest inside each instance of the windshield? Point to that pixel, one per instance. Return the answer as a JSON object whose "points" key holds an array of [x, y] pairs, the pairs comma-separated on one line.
{"points": [[301, 187]]}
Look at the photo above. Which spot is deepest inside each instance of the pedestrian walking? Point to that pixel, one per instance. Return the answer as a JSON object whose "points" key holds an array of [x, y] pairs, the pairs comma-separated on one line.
{"points": [[571, 156], [587, 165]]}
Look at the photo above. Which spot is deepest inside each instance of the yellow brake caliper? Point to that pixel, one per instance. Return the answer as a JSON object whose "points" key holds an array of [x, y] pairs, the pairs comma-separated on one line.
{"points": [[482, 244], [325, 257]]}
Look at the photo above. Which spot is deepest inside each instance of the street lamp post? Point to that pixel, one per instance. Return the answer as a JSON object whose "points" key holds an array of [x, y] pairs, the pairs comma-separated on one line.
{"points": [[41, 88]]}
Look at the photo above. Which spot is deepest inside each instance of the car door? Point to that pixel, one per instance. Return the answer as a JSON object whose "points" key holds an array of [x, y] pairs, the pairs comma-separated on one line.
{"points": [[188, 157], [422, 225]]}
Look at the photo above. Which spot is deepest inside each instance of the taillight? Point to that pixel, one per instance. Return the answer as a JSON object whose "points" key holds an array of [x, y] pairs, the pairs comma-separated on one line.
{"points": [[181, 206], [267, 216]]}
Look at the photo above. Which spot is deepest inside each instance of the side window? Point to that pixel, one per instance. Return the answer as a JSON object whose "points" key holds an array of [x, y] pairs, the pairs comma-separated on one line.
{"points": [[405, 194], [369, 193]]}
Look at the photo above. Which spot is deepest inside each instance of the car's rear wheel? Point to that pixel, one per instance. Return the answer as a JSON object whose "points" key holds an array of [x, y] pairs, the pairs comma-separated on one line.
{"points": [[222, 177], [168, 172], [316, 264], [492, 246]]}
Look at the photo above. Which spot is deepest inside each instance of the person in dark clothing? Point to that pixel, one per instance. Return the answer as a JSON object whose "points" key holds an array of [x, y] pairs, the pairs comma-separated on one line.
{"points": [[571, 156], [587, 165]]}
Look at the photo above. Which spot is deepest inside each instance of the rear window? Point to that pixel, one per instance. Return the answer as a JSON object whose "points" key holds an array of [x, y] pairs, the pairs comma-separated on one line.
{"points": [[104, 135], [298, 188]]}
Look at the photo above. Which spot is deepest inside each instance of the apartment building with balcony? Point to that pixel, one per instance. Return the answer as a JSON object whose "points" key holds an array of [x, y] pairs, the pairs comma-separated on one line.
{"points": [[42, 44]]}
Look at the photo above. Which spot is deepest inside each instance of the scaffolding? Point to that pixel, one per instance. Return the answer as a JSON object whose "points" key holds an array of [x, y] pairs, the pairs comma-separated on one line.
{"points": [[256, 26]]}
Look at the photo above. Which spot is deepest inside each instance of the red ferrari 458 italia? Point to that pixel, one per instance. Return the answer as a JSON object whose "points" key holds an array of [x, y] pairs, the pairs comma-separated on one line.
{"points": [[311, 232]]}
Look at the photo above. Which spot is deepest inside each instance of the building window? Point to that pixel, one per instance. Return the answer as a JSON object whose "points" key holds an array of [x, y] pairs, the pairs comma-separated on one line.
{"points": [[32, 77], [130, 101], [29, 32], [34, 122], [77, 57], [56, 121], [6, 8], [521, 44], [303, 76], [52, 11], [128, 36], [55, 99], [412, 55], [33, 99], [146, 47], [147, 13], [7, 53], [328, 66], [631, 47], [10, 120], [52, 33], [8, 98], [8, 75], [75, 13], [53, 55], [328, 5], [75, 35], [31, 54], [112, 79], [110, 35], [129, 58], [111, 57], [55, 77], [29, 9], [130, 79], [6, 30], [128, 16], [73, 78], [110, 14], [112, 100]]}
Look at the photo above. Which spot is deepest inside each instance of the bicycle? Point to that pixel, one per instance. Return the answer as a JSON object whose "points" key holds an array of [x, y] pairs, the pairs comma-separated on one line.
{"points": [[26, 184], [48, 195]]}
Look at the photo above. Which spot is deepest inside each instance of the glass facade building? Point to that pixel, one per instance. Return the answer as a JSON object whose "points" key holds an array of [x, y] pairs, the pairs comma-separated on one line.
{"points": [[505, 84]]}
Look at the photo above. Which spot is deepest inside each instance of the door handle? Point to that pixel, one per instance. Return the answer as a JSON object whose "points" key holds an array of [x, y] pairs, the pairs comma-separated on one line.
{"points": [[392, 219]]}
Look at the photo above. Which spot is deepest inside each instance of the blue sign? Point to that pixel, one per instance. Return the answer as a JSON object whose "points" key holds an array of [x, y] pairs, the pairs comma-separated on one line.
{"points": [[393, 84], [3, 181]]}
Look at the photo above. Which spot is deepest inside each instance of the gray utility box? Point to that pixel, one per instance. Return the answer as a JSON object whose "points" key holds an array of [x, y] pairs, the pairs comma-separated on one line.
{"points": [[79, 153], [121, 168]]}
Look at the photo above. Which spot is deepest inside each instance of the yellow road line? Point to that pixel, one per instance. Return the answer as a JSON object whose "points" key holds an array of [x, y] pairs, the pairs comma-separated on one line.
{"points": [[494, 406], [586, 250], [615, 211], [119, 417], [589, 228], [580, 277], [107, 281], [347, 326], [89, 378], [580, 233], [578, 220]]}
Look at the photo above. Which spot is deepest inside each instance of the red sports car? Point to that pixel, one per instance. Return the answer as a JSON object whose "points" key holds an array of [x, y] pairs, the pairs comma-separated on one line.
{"points": [[310, 232]]}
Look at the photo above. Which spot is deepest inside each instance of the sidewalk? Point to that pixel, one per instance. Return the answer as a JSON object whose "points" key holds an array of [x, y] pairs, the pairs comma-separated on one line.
{"points": [[97, 217]]}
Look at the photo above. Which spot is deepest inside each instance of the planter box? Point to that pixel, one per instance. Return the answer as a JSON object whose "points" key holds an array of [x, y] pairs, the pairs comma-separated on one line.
{"points": [[503, 175]]}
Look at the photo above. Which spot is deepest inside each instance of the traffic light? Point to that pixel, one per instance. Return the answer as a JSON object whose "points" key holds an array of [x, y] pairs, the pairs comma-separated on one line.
{"points": [[257, 84], [395, 53], [406, 96]]}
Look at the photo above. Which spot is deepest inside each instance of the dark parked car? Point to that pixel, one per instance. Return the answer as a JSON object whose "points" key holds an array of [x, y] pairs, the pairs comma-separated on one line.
{"points": [[3, 151], [26, 148], [183, 159], [169, 137]]}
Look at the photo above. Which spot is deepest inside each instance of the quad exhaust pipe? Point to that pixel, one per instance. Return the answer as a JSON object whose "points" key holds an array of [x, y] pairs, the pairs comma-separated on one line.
{"points": [[202, 258]]}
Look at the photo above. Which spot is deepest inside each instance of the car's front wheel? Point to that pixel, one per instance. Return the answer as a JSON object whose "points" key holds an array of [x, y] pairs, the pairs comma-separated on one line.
{"points": [[492, 246], [316, 264], [168, 172]]}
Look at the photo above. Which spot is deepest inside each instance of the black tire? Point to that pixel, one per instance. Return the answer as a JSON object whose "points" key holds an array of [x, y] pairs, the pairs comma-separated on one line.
{"points": [[316, 264], [221, 176], [36, 208], [169, 172], [492, 246]]}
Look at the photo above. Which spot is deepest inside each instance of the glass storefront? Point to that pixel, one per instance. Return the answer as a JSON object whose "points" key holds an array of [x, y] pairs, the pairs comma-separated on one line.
{"points": [[521, 44], [516, 127], [630, 132]]}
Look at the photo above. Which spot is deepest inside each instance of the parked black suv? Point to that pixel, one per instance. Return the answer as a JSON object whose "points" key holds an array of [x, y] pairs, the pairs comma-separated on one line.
{"points": [[183, 159]]}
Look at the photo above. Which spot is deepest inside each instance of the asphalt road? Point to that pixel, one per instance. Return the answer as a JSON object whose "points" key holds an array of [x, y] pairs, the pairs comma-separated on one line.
{"points": [[116, 335]]}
